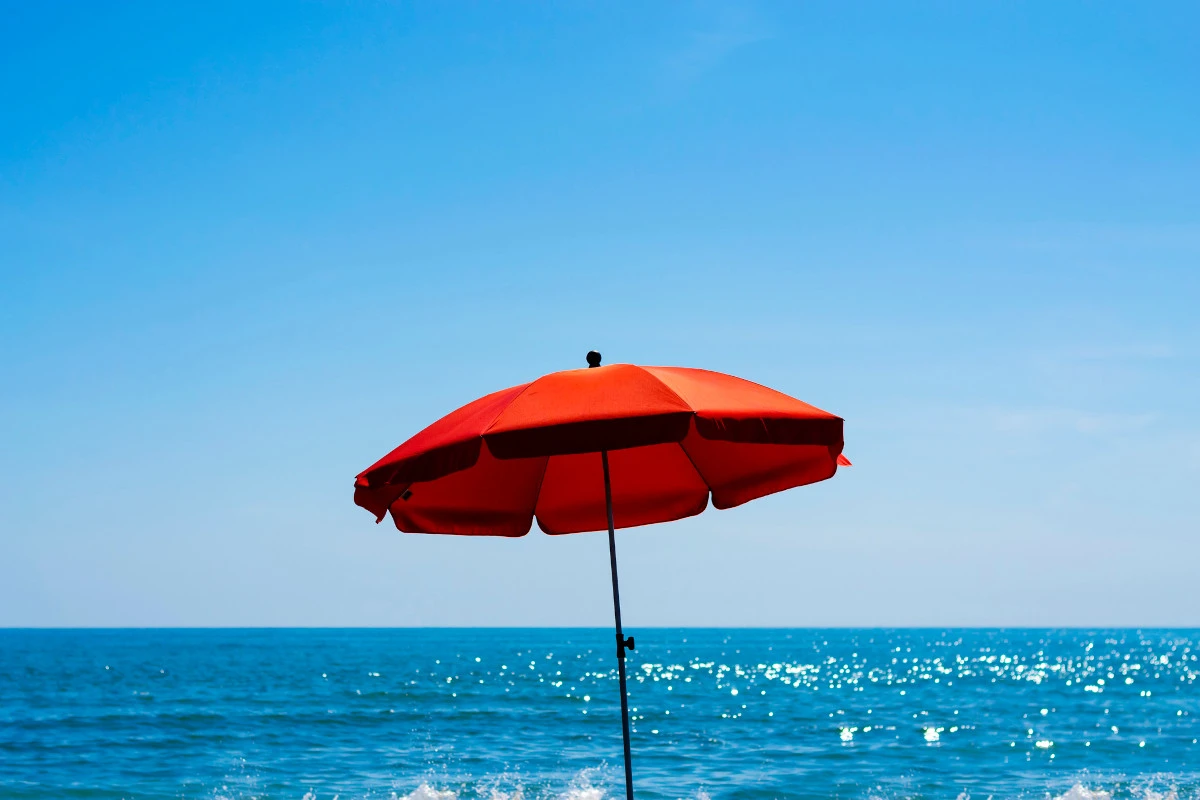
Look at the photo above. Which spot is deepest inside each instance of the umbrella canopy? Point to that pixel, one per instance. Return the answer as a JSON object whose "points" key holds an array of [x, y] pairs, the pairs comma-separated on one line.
{"points": [[611, 447], [675, 437]]}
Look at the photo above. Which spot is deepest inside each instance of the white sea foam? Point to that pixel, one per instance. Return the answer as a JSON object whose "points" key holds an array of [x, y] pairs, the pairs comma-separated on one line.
{"points": [[427, 792], [497, 794], [583, 793], [580, 788], [1150, 794], [1081, 792]]}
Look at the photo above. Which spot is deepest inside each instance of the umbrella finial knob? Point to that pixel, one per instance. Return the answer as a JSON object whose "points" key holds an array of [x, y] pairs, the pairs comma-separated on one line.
{"points": [[593, 358]]}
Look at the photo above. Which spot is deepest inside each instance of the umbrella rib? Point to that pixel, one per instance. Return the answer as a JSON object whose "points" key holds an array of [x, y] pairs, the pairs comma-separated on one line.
{"points": [[507, 406], [537, 495], [668, 387], [695, 466]]}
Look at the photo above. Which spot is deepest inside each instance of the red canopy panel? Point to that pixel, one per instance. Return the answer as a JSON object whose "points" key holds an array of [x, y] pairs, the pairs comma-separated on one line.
{"points": [[675, 436]]}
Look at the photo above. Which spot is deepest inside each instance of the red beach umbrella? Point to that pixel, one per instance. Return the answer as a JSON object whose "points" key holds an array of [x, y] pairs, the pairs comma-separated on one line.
{"points": [[604, 447]]}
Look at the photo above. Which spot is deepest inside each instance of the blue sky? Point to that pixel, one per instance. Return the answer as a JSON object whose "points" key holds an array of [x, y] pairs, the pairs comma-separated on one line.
{"points": [[245, 249]]}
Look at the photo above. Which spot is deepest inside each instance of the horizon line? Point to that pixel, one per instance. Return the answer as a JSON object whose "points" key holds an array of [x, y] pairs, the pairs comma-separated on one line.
{"points": [[606, 629]]}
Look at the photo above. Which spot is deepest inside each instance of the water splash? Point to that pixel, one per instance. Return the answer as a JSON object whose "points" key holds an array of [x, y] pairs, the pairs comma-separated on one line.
{"points": [[1081, 792], [427, 792]]}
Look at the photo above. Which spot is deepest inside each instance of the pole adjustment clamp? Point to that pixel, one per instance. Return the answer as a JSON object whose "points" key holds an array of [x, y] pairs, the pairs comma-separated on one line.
{"points": [[623, 643]]}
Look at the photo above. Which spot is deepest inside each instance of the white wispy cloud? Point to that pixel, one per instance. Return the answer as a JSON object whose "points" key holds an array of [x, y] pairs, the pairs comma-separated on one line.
{"points": [[707, 45], [1124, 352], [705, 50], [1047, 420], [1184, 237]]}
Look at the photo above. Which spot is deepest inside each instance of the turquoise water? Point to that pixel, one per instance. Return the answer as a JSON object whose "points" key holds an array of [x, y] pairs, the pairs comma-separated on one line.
{"points": [[497, 714]]}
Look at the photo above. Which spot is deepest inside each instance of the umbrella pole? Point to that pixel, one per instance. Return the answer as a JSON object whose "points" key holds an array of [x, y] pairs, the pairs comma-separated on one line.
{"points": [[622, 642]]}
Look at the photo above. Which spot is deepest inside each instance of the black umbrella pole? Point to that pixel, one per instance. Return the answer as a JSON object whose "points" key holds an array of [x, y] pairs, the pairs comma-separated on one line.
{"points": [[622, 642]]}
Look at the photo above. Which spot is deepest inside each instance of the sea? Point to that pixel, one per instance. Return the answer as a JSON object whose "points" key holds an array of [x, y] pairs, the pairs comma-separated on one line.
{"points": [[519, 714]]}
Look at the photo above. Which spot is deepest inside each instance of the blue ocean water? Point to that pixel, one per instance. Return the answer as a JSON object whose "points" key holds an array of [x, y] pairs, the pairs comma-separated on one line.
{"points": [[506, 714]]}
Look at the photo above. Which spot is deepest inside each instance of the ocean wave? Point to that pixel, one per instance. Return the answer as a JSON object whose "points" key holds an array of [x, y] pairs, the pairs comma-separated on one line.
{"points": [[581, 787], [504, 715], [604, 784], [1082, 792]]}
